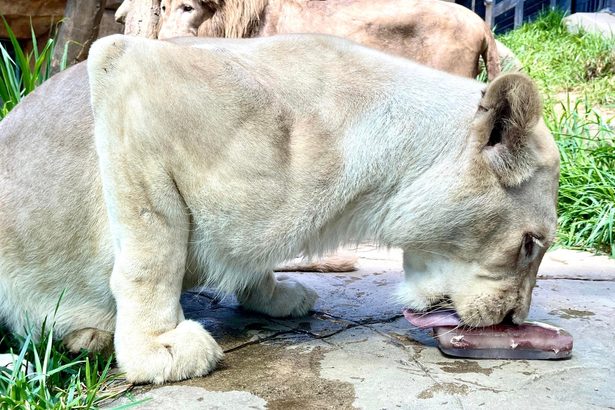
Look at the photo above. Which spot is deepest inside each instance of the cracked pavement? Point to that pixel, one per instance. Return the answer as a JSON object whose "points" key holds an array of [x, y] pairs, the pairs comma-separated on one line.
{"points": [[355, 350]]}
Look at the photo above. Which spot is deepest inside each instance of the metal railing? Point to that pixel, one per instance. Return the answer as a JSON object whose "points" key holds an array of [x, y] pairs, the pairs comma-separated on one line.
{"points": [[496, 9]]}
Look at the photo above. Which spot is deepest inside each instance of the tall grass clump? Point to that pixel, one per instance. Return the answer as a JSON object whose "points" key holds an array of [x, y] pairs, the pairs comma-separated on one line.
{"points": [[43, 375], [22, 72], [576, 75], [586, 203], [583, 63]]}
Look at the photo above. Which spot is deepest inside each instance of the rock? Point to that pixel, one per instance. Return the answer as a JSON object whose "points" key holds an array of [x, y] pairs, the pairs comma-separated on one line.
{"points": [[7, 360], [355, 350], [576, 265], [597, 23], [108, 25]]}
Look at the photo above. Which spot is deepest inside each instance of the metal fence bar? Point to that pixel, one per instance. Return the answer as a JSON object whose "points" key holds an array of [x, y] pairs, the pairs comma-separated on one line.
{"points": [[519, 13], [503, 7], [489, 19], [495, 8]]}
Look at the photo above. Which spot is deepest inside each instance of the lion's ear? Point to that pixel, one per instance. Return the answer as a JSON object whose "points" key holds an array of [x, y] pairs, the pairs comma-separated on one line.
{"points": [[509, 110]]}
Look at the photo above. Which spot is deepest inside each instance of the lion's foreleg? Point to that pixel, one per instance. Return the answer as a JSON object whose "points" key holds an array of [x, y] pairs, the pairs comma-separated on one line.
{"points": [[150, 226]]}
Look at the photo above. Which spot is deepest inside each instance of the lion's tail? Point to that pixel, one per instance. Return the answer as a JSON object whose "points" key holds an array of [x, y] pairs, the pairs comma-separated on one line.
{"points": [[329, 264]]}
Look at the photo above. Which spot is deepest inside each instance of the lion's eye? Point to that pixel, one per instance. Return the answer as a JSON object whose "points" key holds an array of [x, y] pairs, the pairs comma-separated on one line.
{"points": [[187, 9]]}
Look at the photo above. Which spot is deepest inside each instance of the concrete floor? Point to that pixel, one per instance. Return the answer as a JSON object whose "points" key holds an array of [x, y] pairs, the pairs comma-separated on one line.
{"points": [[357, 351]]}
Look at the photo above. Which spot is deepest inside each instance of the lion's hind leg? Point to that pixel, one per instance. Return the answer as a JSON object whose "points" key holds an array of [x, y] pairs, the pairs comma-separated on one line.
{"points": [[89, 338], [279, 296]]}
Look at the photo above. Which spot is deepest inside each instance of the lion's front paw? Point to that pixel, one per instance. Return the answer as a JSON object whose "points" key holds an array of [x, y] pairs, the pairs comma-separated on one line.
{"points": [[184, 352], [289, 298]]}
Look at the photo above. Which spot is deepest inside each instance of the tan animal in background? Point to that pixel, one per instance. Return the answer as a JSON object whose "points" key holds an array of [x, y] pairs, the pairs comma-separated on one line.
{"points": [[244, 154], [442, 35]]}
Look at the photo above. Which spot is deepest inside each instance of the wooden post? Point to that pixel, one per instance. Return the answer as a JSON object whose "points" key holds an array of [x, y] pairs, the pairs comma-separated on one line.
{"points": [[78, 31], [140, 17]]}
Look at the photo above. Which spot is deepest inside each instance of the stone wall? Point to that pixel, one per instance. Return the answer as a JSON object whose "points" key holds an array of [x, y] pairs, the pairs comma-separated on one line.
{"points": [[43, 14], [46, 16]]}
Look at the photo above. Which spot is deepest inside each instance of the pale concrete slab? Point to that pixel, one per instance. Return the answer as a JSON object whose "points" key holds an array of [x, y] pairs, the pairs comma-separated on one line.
{"points": [[356, 350], [390, 366], [569, 264], [195, 398]]}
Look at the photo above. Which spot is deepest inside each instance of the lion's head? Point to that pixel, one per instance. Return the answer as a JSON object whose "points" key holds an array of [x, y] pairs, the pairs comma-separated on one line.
{"points": [[209, 18], [183, 17], [478, 249]]}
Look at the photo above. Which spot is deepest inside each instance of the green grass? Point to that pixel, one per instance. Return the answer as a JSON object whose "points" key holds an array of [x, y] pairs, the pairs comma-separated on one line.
{"points": [[21, 74], [586, 203], [560, 61], [44, 376], [576, 75]]}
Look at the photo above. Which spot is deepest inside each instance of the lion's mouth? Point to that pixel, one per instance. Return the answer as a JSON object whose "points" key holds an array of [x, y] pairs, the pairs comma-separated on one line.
{"points": [[441, 312], [439, 317]]}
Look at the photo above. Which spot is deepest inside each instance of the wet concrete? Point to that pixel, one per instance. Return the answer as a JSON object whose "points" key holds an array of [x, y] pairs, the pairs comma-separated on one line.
{"points": [[286, 375], [357, 351]]}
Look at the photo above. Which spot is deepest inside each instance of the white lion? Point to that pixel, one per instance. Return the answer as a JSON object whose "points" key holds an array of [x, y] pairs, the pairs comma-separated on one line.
{"points": [[215, 162]]}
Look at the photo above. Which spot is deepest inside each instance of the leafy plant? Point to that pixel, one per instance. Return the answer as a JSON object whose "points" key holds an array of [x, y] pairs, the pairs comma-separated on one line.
{"points": [[22, 73], [583, 63], [576, 74], [43, 375], [586, 202]]}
